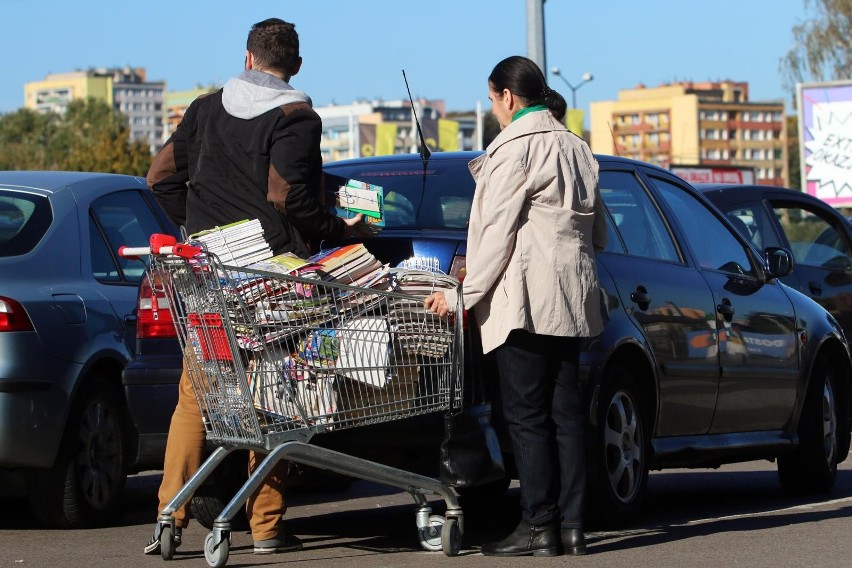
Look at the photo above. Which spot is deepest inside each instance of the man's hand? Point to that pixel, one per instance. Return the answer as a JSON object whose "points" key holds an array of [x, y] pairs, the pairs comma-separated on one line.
{"points": [[437, 304], [356, 227]]}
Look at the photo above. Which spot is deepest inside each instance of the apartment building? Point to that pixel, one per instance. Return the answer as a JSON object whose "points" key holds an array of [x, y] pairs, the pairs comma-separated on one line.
{"points": [[176, 104], [124, 88], [694, 123], [342, 126]]}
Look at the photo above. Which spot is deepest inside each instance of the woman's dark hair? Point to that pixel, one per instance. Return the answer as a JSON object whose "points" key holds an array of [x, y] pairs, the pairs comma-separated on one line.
{"points": [[274, 44], [524, 78]]}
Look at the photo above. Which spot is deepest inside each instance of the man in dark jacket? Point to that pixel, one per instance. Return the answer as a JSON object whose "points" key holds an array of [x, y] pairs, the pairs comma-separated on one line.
{"points": [[252, 151], [248, 151]]}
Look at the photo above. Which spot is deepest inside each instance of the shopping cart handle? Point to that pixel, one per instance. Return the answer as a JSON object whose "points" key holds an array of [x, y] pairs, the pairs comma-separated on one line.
{"points": [[133, 252], [160, 240], [185, 251]]}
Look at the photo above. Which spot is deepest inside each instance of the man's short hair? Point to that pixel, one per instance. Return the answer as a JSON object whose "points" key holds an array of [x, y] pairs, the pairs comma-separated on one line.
{"points": [[274, 44]]}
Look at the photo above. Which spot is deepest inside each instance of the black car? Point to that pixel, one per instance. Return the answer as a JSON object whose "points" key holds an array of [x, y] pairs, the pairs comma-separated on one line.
{"points": [[706, 358], [818, 236]]}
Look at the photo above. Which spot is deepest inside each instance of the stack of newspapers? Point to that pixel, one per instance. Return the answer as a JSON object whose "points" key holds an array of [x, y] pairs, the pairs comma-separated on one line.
{"points": [[418, 331], [237, 244]]}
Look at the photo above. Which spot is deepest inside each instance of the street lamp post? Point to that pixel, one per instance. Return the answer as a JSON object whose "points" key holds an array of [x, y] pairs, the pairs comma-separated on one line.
{"points": [[586, 78]]}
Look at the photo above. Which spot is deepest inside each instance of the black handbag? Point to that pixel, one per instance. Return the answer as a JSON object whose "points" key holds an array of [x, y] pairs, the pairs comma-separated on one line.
{"points": [[470, 449]]}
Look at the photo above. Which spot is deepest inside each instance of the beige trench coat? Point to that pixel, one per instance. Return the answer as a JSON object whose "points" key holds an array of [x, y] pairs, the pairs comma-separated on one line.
{"points": [[536, 221]]}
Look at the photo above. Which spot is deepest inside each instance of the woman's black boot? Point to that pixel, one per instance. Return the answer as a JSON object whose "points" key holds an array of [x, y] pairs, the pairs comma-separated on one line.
{"points": [[573, 542], [526, 540]]}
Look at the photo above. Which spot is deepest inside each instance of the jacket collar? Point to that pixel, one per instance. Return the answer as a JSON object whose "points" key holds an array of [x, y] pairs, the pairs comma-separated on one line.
{"points": [[530, 123]]}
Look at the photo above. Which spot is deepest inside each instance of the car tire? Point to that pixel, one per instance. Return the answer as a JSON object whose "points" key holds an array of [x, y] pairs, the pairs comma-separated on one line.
{"points": [[620, 451], [210, 499], [812, 468], [85, 486]]}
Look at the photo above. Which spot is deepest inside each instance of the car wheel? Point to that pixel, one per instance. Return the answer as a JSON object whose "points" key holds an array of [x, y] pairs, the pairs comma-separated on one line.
{"points": [[620, 452], [85, 485], [210, 499], [812, 468]]}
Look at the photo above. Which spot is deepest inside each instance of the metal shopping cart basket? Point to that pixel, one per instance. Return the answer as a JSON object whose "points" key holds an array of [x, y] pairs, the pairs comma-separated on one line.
{"points": [[275, 359]]}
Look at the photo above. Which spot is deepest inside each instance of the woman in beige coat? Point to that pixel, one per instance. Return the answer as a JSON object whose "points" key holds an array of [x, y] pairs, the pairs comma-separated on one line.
{"points": [[536, 222]]}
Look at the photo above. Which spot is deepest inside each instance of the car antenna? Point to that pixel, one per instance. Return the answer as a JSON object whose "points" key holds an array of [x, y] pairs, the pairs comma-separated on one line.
{"points": [[611, 133], [425, 153]]}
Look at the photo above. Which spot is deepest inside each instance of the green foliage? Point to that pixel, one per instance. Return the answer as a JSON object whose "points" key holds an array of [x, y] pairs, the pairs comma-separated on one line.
{"points": [[90, 136], [491, 129], [794, 167], [822, 50]]}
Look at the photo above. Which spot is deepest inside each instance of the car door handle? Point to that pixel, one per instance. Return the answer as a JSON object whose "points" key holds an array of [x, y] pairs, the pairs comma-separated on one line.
{"points": [[726, 310], [130, 319], [815, 288], [641, 298]]}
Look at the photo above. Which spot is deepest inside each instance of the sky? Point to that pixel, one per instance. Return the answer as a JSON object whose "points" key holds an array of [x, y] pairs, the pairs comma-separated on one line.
{"points": [[357, 49]]}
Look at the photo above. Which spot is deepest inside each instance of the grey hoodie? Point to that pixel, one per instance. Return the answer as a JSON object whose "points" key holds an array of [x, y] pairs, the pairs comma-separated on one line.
{"points": [[255, 92]]}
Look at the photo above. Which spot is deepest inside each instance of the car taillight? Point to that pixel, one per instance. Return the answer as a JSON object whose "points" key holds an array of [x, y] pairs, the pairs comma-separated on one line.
{"points": [[458, 268], [13, 317], [154, 318]]}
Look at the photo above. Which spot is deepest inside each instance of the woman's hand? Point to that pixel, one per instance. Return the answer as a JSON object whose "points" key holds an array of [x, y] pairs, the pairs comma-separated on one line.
{"points": [[437, 304]]}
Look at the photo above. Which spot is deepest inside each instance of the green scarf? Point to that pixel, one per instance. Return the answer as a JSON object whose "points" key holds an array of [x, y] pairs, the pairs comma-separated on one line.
{"points": [[524, 111]]}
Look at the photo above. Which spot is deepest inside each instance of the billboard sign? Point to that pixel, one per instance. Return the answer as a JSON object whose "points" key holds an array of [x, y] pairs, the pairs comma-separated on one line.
{"points": [[714, 174], [825, 140]]}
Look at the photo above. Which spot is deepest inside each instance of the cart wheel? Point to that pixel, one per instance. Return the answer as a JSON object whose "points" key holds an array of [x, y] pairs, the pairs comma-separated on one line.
{"points": [[216, 548], [451, 537], [167, 542], [430, 536]]}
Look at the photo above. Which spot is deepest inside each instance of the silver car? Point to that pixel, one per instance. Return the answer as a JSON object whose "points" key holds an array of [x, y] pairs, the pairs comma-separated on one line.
{"points": [[67, 329]]}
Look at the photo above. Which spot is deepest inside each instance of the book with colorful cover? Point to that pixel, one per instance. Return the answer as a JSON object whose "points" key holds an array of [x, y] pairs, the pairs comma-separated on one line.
{"points": [[351, 196]]}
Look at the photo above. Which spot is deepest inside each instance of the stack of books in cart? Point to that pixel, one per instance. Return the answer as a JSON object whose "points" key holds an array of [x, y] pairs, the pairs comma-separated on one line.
{"points": [[343, 332]]}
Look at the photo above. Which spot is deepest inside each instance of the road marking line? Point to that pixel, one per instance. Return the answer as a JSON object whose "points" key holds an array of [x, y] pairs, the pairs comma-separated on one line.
{"points": [[769, 512]]}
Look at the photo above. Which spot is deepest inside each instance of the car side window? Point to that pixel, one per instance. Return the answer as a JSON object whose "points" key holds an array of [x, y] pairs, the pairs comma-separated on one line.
{"points": [[641, 230], [118, 219], [714, 245], [754, 223], [813, 239]]}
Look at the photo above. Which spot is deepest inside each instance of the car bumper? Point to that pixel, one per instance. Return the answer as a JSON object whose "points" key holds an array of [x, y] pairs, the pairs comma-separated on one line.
{"points": [[31, 421], [151, 389]]}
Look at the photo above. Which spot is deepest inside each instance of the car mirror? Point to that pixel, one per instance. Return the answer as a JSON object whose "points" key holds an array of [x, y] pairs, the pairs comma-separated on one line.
{"points": [[778, 262]]}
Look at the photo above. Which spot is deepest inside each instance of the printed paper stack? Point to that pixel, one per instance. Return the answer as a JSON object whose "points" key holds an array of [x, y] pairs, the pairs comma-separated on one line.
{"points": [[281, 307], [353, 265], [237, 244], [419, 332], [353, 197]]}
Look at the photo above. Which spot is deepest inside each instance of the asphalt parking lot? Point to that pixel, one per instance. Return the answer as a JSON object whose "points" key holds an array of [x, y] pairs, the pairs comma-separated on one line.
{"points": [[733, 516]]}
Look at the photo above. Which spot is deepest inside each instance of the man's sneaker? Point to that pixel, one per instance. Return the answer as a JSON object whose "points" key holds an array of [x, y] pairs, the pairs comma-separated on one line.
{"points": [[153, 546], [282, 543]]}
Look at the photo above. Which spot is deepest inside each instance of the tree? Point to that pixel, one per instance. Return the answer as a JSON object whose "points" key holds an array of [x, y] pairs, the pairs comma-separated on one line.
{"points": [[794, 172], [491, 128], [98, 140], [90, 136], [822, 49], [26, 140]]}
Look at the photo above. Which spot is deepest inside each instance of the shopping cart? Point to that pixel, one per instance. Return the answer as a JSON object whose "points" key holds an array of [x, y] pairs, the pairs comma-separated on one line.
{"points": [[276, 358]]}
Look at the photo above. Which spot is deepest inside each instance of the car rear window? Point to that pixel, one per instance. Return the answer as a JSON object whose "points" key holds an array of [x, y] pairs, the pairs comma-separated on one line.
{"points": [[24, 219], [439, 198]]}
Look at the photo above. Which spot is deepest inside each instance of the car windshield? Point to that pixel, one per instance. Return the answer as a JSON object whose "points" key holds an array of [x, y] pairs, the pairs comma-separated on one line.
{"points": [[24, 218], [440, 198]]}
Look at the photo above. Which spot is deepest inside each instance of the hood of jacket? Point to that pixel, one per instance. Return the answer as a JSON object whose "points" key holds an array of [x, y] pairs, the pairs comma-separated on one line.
{"points": [[255, 92]]}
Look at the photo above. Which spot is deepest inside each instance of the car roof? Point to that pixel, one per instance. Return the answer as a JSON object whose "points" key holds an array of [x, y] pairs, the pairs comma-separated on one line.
{"points": [[53, 181], [749, 187], [471, 154]]}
